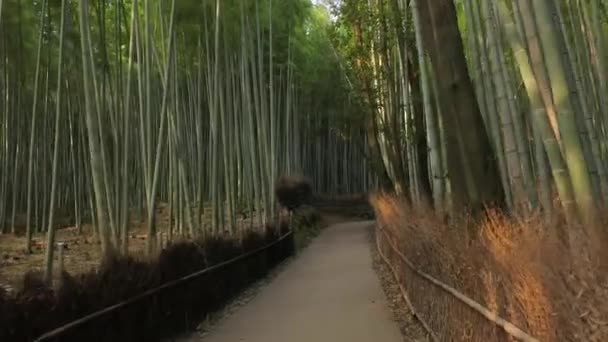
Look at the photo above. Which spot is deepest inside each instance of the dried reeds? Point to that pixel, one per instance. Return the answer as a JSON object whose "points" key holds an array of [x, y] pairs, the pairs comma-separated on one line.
{"points": [[519, 268]]}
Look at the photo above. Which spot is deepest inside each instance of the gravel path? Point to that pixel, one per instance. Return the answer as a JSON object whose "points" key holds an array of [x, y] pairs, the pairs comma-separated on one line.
{"points": [[330, 293]]}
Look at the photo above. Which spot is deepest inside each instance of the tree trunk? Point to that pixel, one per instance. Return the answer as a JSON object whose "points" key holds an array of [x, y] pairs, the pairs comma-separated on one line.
{"points": [[422, 148], [473, 173]]}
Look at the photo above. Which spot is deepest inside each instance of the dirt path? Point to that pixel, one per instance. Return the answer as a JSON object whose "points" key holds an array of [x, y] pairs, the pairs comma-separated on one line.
{"points": [[328, 294]]}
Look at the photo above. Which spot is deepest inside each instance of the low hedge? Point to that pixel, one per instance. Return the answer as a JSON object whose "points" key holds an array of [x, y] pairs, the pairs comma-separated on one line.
{"points": [[37, 309]]}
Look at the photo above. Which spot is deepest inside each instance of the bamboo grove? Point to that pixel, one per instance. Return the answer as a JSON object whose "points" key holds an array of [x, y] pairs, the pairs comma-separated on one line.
{"points": [[475, 102], [112, 107]]}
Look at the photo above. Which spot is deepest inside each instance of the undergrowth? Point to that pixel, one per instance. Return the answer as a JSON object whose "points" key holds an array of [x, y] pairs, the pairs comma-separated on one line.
{"points": [[37, 308], [293, 191], [307, 225], [525, 269]]}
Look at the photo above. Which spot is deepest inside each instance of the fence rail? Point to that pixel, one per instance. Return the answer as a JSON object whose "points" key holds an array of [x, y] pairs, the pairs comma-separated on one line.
{"points": [[491, 316], [58, 332]]}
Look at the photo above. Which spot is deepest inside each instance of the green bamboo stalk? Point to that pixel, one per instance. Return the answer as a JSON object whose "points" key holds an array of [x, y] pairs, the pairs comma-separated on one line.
{"points": [[93, 131], [512, 160], [521, 139], [580, 84], [541, 119], [151, 242], [496, 107], [124, 224], [572, 145], [51, 224], [30, 169]]}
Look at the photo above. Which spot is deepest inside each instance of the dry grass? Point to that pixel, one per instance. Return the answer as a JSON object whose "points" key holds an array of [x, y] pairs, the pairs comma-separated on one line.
{"points": [[530, 272]]}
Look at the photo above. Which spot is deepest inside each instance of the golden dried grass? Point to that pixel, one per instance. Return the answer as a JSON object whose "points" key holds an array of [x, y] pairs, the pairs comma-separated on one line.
{"points": [[521, 268]]}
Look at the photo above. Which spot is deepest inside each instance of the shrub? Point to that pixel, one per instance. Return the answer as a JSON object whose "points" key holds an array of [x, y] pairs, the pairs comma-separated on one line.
{"points": [[293, 191], [38, 309]]}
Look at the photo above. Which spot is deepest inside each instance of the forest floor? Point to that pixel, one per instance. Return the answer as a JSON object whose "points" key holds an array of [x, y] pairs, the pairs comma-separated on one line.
{"points": [[82, 250], [330, 292]]}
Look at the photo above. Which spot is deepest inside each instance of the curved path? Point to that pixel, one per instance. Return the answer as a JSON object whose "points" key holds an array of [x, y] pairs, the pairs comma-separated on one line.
{"points": [[330, 293]]}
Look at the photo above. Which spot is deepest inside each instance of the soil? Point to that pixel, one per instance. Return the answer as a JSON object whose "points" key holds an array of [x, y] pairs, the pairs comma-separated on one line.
{"points": [[82, 250], [411, 329]]}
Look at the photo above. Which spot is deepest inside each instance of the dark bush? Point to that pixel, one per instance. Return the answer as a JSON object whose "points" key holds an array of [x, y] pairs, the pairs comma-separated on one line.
{"points": [[37, 309], [307, 216], [293, 191]]}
